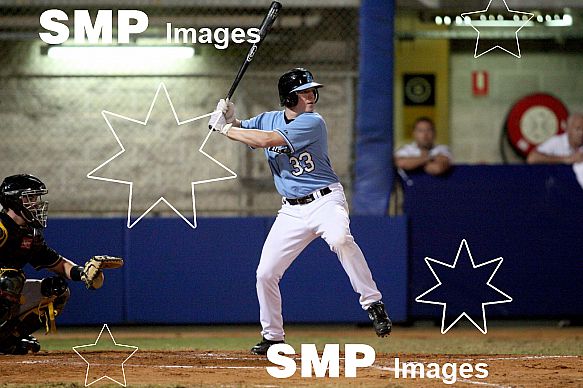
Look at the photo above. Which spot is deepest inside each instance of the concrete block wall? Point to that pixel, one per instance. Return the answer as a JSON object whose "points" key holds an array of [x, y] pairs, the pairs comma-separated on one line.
{"points": [[51, 126], [476, 122]]}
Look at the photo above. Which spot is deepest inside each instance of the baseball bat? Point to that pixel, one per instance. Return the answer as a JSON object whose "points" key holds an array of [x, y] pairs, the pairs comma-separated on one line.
{"points": [[263, 30]]}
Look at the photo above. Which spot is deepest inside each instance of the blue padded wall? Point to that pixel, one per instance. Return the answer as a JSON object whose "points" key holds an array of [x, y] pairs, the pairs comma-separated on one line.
{"points": [[374, 121], [529, 215], [78, 240], [174, 274]]}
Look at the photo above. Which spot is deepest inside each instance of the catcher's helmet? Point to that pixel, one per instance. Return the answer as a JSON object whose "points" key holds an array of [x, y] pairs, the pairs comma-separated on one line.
{"points": [[293, 81], [23, 194]]}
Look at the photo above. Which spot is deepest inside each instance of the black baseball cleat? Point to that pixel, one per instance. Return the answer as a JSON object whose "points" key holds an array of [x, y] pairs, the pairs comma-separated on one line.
{"points": [[261, 347], [30, 344], [380, 320], [20, 346]]}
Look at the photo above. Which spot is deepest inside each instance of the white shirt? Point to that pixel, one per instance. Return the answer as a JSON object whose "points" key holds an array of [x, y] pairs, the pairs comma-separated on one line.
{"points": [[557, 145], [412, 150]]}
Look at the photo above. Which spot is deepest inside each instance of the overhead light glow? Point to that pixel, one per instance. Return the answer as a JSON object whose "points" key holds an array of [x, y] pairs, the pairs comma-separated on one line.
{"points": [[438, 20], [566, 21], [120, 53], [447, 20], [501, 23]]}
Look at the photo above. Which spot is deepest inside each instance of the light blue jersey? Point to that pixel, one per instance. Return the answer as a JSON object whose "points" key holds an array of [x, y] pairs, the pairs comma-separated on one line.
{"points": [[302, 166]]}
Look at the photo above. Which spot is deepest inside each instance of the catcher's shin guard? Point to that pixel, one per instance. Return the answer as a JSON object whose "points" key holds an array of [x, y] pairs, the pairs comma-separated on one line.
{"points": [[11, 342], [34, 319], [16, 334], [11, 284]]}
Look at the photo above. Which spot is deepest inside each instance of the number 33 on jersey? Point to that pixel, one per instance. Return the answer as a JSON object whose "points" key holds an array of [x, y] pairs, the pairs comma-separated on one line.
{"points": [[303, 163], [302, 166]]}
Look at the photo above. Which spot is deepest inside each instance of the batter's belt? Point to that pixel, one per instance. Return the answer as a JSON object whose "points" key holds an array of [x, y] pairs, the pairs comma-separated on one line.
{"points": [[308, 198]]}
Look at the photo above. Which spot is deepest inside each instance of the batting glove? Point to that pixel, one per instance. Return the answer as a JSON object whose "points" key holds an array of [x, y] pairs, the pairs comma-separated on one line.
{"points": [[228, 109], [218, 123]]}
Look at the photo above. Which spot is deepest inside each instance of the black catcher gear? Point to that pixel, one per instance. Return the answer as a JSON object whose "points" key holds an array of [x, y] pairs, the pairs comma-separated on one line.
{"points": [[293, 81], [11, 284], [53, 286], [23, 194]]}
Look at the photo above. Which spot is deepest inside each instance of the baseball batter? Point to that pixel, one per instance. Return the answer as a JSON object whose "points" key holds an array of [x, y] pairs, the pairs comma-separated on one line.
{"points": [[313, 204], [28, 304]]}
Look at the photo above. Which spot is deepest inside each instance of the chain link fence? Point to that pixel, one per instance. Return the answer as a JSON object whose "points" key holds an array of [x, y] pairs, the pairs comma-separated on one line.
{"points": [[51, 118]]}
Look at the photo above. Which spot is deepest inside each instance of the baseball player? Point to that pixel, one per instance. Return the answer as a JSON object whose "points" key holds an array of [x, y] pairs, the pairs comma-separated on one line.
{"points": [[26, 304], [313, 204]]}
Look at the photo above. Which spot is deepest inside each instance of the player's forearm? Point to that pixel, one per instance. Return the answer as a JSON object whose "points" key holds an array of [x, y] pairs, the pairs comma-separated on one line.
{"points": [[255, 138], [64, 267], [536, 157], [437, 166], [411, 163]]}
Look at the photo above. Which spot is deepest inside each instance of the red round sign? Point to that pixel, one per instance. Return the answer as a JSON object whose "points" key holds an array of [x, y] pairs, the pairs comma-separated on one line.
{"points": [[534, 119]]}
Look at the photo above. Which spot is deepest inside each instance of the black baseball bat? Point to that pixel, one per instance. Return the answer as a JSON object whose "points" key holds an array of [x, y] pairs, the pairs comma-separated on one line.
{"points": [[263, 30]]}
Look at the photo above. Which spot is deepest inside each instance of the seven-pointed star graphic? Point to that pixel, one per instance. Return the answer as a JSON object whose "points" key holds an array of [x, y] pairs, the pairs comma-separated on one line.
{"points": [[479, 284], [159, 159], [92, 353], [467, 16]]}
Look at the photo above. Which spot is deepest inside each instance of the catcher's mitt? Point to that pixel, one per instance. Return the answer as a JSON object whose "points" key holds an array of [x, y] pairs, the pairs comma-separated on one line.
{"points": [[92, 271]]}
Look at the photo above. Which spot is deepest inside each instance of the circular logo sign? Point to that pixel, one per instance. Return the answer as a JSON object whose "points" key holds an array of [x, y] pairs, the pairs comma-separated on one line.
{"points": [[418, 90], [534, 119]]}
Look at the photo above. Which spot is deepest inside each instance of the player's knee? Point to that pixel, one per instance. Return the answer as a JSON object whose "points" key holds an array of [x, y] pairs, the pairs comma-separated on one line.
{"points": [[11, 285], [266, 275], [338, 241], [55, 287]]}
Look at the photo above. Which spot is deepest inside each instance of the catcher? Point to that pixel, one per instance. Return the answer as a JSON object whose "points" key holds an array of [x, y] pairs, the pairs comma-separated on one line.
{"points": [[28, 304]]}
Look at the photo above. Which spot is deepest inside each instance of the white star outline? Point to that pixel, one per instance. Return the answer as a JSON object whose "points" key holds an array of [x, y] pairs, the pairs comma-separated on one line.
{"points": [[466, 14], [419, 299], [124, 384], [131, 224]]}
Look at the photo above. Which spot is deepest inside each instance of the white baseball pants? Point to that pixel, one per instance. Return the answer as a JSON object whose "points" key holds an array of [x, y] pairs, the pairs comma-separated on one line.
{"points": [[294, 228]]}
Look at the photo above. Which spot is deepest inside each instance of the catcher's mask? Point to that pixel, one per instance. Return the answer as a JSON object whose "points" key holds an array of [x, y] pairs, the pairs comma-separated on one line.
{"points": [[293, 81], [23, 194]]}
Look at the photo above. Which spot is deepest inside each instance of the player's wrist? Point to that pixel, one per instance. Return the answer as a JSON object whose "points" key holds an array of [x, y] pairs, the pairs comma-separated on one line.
{"points": [[76, 273]]}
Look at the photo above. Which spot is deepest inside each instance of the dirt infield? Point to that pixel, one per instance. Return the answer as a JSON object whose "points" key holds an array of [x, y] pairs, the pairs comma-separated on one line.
{"points": [[516, 357], [187, 368]]}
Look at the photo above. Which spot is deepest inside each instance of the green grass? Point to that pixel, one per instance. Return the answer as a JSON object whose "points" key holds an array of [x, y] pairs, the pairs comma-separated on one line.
{"points": [[543, 340]]}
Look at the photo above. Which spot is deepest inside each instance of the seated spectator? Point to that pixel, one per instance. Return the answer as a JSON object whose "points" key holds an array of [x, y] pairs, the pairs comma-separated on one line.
{"points": [[423, 153], [566, 148]]}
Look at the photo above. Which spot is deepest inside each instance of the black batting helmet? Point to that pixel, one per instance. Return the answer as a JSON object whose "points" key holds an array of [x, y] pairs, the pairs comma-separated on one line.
{"points": [[293, 81], [23, 193]]}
